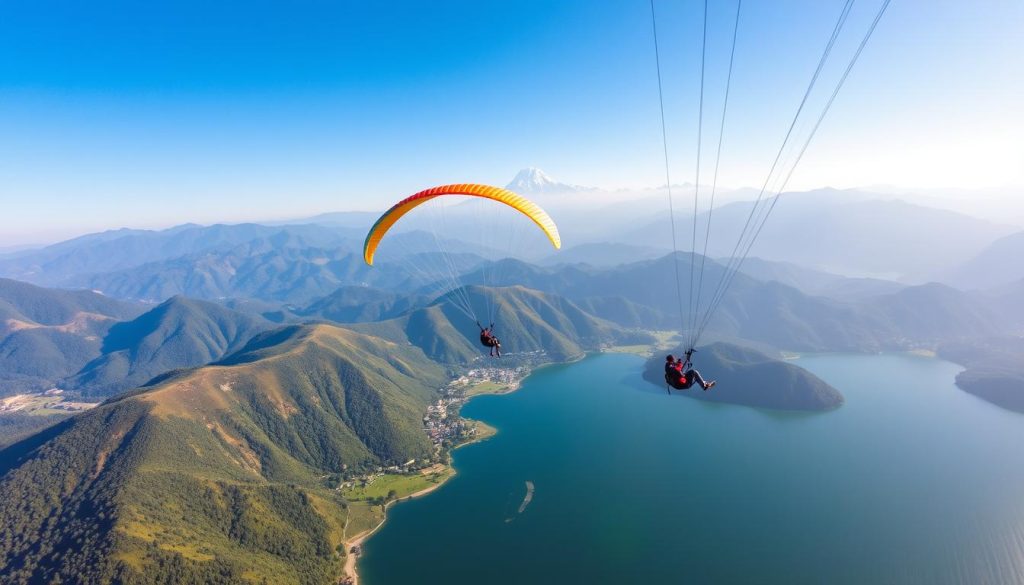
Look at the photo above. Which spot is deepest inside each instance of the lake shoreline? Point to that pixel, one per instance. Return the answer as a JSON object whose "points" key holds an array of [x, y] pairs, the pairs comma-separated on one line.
{"points": [[350, 570], [892, 441]]}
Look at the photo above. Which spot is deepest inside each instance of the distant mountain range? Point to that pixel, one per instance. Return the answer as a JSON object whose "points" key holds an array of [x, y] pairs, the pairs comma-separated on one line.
{"points": [[816, 282], [1008, 302], [603, 254], [643, 294], [118, 250], [291, 264], [853, 234], [999, 264], [289, 275]]}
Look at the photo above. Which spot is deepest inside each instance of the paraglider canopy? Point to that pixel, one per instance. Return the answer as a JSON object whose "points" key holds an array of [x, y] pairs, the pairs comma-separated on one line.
{"points": [[504, 196], [482, 223]]}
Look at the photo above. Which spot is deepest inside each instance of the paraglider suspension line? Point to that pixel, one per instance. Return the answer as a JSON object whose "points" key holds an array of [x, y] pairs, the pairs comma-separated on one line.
{"points": [[668, 175]]}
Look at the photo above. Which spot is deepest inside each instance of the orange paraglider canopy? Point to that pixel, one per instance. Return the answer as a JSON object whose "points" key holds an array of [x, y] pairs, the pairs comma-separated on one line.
{"points": [[517, 202]]}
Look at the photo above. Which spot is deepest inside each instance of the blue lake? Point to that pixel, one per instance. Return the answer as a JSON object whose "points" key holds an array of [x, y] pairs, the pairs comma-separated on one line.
{"points": [[911, 481]]}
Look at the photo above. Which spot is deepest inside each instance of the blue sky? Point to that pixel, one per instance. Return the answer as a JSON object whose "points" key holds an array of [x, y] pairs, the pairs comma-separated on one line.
{"points": [[149, 114]]}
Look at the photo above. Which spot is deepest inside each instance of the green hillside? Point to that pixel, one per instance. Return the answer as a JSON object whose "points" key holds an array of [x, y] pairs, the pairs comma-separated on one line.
{"points": [[218, 474], [179, 333], [53, 307], [258, 269], [526, 321], [95, 347], [357, 304], [643, 294], [47, 334]]}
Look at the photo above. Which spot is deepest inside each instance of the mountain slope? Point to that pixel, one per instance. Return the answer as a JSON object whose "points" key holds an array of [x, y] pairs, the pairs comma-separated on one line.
{"points": [[525, 320], [280, 269], [356, 304], [47, 334], [816, 282], [995, 369], [644, 294], [54, 307], [533, 180], [256, 269], [286, 263], [998, 264], [935, 312], [122, 249], [854, 233], [603, 254], [1008, 301], [179, 333], [215, 474]]}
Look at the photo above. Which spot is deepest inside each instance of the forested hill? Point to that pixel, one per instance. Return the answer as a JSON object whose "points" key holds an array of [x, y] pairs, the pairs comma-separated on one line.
{"points": [[94, 347], [749, 377], [527, 322], [215, 474], [995, 369], [642, 294], [179, 333], [31, 304], [47, 334]]}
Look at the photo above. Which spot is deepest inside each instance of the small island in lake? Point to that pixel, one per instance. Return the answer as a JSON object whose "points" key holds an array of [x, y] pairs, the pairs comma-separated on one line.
{"points": [[751, 378]]}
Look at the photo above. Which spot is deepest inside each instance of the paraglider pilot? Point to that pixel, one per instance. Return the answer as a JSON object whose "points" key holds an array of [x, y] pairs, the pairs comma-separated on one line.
{"points": [[487, 339], [680, 374]]}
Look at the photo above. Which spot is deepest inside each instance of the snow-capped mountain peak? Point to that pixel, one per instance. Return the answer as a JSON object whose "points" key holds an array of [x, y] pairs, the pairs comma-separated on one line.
{"points": [[533, 180]]}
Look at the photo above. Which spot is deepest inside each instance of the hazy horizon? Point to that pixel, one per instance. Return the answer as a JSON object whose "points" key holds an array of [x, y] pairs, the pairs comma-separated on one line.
{"points": [[190, 113], [968, 202]]}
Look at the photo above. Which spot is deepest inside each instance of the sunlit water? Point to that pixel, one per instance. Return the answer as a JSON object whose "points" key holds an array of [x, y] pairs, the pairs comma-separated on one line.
{"points": [[911, 481]]}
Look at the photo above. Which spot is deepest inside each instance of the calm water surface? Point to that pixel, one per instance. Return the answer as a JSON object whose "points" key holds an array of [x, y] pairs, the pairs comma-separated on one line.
{"points": [[911, 481]]}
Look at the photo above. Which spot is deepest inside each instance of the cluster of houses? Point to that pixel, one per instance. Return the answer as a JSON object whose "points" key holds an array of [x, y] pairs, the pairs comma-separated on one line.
{"points": [[442, 420]]}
